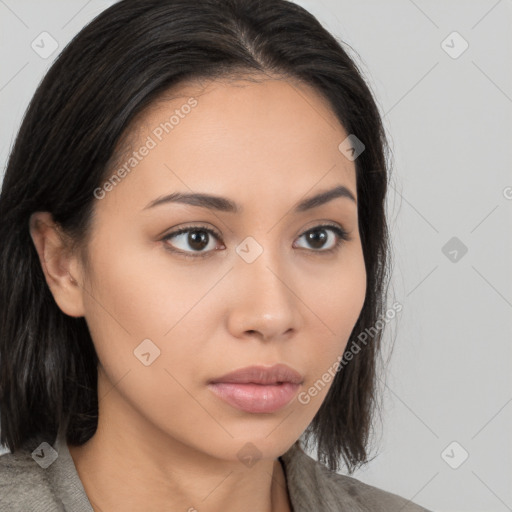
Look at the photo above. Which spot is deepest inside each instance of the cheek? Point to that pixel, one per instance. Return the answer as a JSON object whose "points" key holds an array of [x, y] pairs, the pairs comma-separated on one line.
{"points": [[145, 294], [344, 301], [337, 300], [134, 286], [141, 309]]}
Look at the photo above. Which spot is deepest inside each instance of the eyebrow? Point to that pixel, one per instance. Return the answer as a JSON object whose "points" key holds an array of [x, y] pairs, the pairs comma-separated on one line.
{"points": [[224, 204]]}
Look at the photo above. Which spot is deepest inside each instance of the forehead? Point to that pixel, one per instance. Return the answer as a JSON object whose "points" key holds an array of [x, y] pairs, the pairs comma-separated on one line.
{"points": [[237, 138]]}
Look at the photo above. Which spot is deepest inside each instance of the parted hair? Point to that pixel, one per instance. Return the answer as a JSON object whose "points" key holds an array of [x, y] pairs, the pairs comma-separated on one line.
{"points": [[118, 65]]}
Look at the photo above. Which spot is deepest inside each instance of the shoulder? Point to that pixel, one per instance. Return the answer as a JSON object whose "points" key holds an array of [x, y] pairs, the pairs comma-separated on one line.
{"points": [[312, 483], [24, 485]]}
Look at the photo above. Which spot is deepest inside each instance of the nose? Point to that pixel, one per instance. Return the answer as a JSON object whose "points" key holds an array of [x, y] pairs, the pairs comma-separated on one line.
{"points": [[264, 303]]}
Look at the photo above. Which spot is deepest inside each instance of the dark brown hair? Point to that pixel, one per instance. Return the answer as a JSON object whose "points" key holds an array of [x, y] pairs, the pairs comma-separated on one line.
{"points": [[114, 69]]}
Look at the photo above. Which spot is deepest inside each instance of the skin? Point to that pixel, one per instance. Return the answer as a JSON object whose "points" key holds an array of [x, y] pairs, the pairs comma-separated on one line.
{"points": [[164, 440]]}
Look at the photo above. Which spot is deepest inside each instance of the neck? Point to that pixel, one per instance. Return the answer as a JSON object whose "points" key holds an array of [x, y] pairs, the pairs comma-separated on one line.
{"points": [[128, 467]]}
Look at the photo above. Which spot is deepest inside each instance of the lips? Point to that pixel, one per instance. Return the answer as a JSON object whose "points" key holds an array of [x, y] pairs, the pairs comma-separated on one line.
{"points": [[258, 389], [275, 374]]}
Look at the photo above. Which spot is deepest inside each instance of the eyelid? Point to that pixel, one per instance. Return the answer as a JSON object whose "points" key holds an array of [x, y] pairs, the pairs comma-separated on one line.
{"points": [[186, 229]]}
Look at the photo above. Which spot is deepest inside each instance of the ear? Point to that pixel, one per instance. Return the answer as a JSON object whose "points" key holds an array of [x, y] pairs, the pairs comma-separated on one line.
{"points": [[61, 269]]}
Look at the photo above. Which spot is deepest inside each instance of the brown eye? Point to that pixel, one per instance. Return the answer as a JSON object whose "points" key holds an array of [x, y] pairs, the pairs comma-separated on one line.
{"points": [[192, 240], [317, 238], [326, 235], [199, 241]]}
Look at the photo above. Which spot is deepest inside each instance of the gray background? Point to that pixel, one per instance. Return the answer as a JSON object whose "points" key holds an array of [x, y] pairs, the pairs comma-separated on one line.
{"points": [[449, 121]]}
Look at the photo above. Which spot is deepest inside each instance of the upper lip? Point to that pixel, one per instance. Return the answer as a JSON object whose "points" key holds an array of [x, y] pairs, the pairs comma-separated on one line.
{"points": [[262, 375]]}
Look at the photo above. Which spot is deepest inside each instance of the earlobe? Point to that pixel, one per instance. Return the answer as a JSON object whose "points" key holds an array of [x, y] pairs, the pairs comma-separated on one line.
{"points": [[58, 264]]}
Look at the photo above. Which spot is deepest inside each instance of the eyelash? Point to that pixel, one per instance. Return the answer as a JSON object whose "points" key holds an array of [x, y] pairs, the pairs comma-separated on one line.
{"points": [[343, 236]]}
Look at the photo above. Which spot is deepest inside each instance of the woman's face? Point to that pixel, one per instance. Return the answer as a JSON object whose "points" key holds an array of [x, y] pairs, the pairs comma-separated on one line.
{"points": [[169, 314]]}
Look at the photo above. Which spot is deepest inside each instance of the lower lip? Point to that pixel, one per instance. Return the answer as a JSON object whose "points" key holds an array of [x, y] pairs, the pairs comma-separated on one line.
{"points": [[255, 398]]}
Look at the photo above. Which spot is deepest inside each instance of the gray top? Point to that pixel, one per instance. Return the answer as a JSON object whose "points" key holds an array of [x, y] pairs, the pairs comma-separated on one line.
{"points": [[27, 486]]}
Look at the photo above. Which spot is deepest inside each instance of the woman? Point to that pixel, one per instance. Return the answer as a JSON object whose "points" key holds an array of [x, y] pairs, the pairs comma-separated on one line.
{"points": [[193, 239]]}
